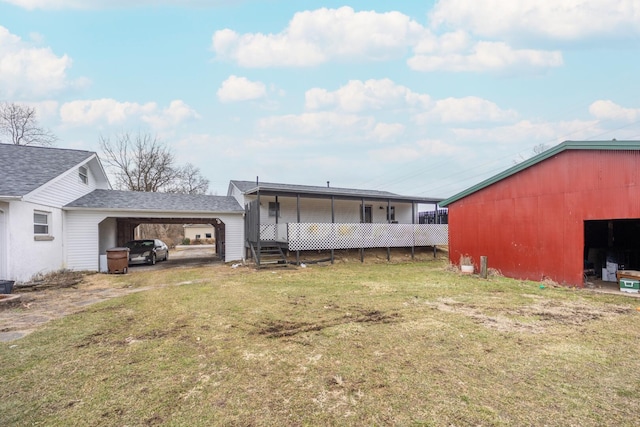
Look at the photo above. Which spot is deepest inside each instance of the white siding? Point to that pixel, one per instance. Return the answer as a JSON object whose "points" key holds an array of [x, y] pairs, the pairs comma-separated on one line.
{"points": [[27, 256], [234, 236], [83, 239], [64, 189], [4, 208], [89, 234], [319, 210]]}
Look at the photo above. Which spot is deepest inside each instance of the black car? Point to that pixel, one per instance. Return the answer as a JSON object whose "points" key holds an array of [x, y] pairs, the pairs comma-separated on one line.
{"points": [[147, 251]]}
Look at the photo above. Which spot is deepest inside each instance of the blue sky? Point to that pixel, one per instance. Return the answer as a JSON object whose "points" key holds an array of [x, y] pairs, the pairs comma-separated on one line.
{"points": [[420, 98]]}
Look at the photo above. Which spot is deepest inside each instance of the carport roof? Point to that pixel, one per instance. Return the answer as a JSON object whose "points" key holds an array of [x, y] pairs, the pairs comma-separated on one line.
{"points": [[167, 202]]}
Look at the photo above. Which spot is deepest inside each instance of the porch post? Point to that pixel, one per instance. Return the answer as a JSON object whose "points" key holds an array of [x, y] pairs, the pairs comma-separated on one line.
{"points": [[435, 219], [389, 224], [413, 221], [362, 221], [333, 221], [298, 219], [258, 230]]}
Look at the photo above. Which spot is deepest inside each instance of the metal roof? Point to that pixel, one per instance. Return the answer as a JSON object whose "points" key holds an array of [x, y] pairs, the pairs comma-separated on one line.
{"points": [[164, 202], [24, 168], [269, 188], [564, 146]]}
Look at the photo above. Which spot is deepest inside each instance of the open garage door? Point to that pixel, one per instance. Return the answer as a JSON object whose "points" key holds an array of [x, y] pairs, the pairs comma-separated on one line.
{"points": [[611, 245]]}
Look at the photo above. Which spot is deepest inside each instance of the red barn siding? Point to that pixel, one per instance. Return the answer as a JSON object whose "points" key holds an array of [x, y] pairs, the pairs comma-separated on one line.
{"points": [[530, 225]]}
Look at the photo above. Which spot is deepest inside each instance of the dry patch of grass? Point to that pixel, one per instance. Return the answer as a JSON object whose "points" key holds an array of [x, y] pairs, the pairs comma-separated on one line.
{"points": [[349, 344]]}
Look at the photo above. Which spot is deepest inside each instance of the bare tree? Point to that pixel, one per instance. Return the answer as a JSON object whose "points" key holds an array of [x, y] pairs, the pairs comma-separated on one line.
{"points": [[20, 124], [190, 181], [143, 163], [534, 152]]}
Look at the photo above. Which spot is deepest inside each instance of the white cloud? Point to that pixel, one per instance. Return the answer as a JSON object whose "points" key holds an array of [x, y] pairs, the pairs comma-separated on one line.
{"points": [[29, 71], [319, 125], [487, 56], [549, 133], [112, 4], [240, 89], [469, 109], [408, 153], [177, 113], [387, 131], [558, 19], [357, 96], [112, 112], [608, 110], [315, 37]]}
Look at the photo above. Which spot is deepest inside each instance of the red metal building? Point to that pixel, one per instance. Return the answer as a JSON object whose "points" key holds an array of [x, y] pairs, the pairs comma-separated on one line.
{"points": [[573, 206]]}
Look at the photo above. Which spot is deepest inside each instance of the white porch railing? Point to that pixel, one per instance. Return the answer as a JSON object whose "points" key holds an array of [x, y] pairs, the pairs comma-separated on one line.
{"points": [[320, 236]]}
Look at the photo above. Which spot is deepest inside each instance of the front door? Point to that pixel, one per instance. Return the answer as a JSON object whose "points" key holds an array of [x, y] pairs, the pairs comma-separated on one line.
{"points": [[368, 215]]}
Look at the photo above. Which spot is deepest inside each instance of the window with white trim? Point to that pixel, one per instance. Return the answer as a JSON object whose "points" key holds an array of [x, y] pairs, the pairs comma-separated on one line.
{"points": [[41, 223], [83, 174]]}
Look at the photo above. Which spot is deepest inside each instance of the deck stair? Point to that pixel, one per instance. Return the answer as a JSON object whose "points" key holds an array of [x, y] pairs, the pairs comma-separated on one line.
{"points": [[270, 256]]}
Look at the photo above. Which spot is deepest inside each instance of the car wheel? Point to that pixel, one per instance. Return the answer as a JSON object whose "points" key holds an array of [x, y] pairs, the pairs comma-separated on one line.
{"points": [[153, 259], [166, 256]]}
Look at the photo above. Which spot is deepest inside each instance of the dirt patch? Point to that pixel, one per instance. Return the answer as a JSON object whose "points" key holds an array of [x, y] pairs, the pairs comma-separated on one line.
{"points": [[283, 328], [534, 318]]}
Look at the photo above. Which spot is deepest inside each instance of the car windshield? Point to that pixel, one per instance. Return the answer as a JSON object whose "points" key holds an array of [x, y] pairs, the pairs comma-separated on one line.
{"points": [[140, 244]]}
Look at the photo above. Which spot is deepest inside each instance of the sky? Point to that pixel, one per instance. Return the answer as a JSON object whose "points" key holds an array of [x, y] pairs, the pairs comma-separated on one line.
{"points": [[420, 98]]}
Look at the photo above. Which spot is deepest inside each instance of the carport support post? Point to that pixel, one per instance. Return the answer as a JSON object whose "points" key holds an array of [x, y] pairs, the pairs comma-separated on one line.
{"points": [[435, 220]]}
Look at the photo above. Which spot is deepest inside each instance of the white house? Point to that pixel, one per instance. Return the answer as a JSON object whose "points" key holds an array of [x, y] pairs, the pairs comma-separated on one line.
{"points": [[58, 211], [35, 184], [286, 217]]}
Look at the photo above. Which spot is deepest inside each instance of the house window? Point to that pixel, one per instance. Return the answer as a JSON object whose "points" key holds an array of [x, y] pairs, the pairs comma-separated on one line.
{"points": [[207, 235], [274, 208], [197, 237], [41, 223], [83, 175], [391, 213], [368, 214]]}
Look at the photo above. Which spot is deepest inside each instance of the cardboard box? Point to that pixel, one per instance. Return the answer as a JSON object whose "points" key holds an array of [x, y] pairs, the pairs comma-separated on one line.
{"points": [[630, 285]]}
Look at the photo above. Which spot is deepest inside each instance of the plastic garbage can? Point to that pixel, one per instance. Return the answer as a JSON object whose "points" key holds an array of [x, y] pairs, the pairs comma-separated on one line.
{"points": [[118, 260]]}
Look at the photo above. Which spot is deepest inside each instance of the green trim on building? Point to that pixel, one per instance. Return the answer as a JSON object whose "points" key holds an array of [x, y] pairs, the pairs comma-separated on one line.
{"points": [[566, 145]]}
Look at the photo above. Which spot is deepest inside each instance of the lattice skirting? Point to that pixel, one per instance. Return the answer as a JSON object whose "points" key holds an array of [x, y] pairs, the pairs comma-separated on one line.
{"points": [[319, 236]]}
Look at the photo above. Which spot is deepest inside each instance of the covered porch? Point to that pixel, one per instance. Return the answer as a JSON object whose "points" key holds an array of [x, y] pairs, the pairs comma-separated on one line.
{"points": [[277, 221]]}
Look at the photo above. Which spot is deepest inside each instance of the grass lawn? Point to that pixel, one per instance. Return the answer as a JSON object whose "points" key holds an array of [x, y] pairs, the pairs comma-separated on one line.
{"points": [[409, 344]]}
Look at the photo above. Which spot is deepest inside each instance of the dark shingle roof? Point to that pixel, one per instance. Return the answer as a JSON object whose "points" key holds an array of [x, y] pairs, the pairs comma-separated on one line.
{"points": [[168, 202], [25, 168], [250, 187]]}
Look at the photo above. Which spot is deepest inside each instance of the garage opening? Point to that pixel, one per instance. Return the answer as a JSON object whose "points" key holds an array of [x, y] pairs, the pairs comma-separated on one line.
{"points": [[611, 245], [188, 239]]}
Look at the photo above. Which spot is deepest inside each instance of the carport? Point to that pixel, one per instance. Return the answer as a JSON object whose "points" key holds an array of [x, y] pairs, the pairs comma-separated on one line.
{"points": [[106, 218]]}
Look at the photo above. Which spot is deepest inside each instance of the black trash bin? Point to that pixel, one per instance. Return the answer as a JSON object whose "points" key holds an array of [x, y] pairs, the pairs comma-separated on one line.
{"points": [[118, 260], [6, 286]]}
